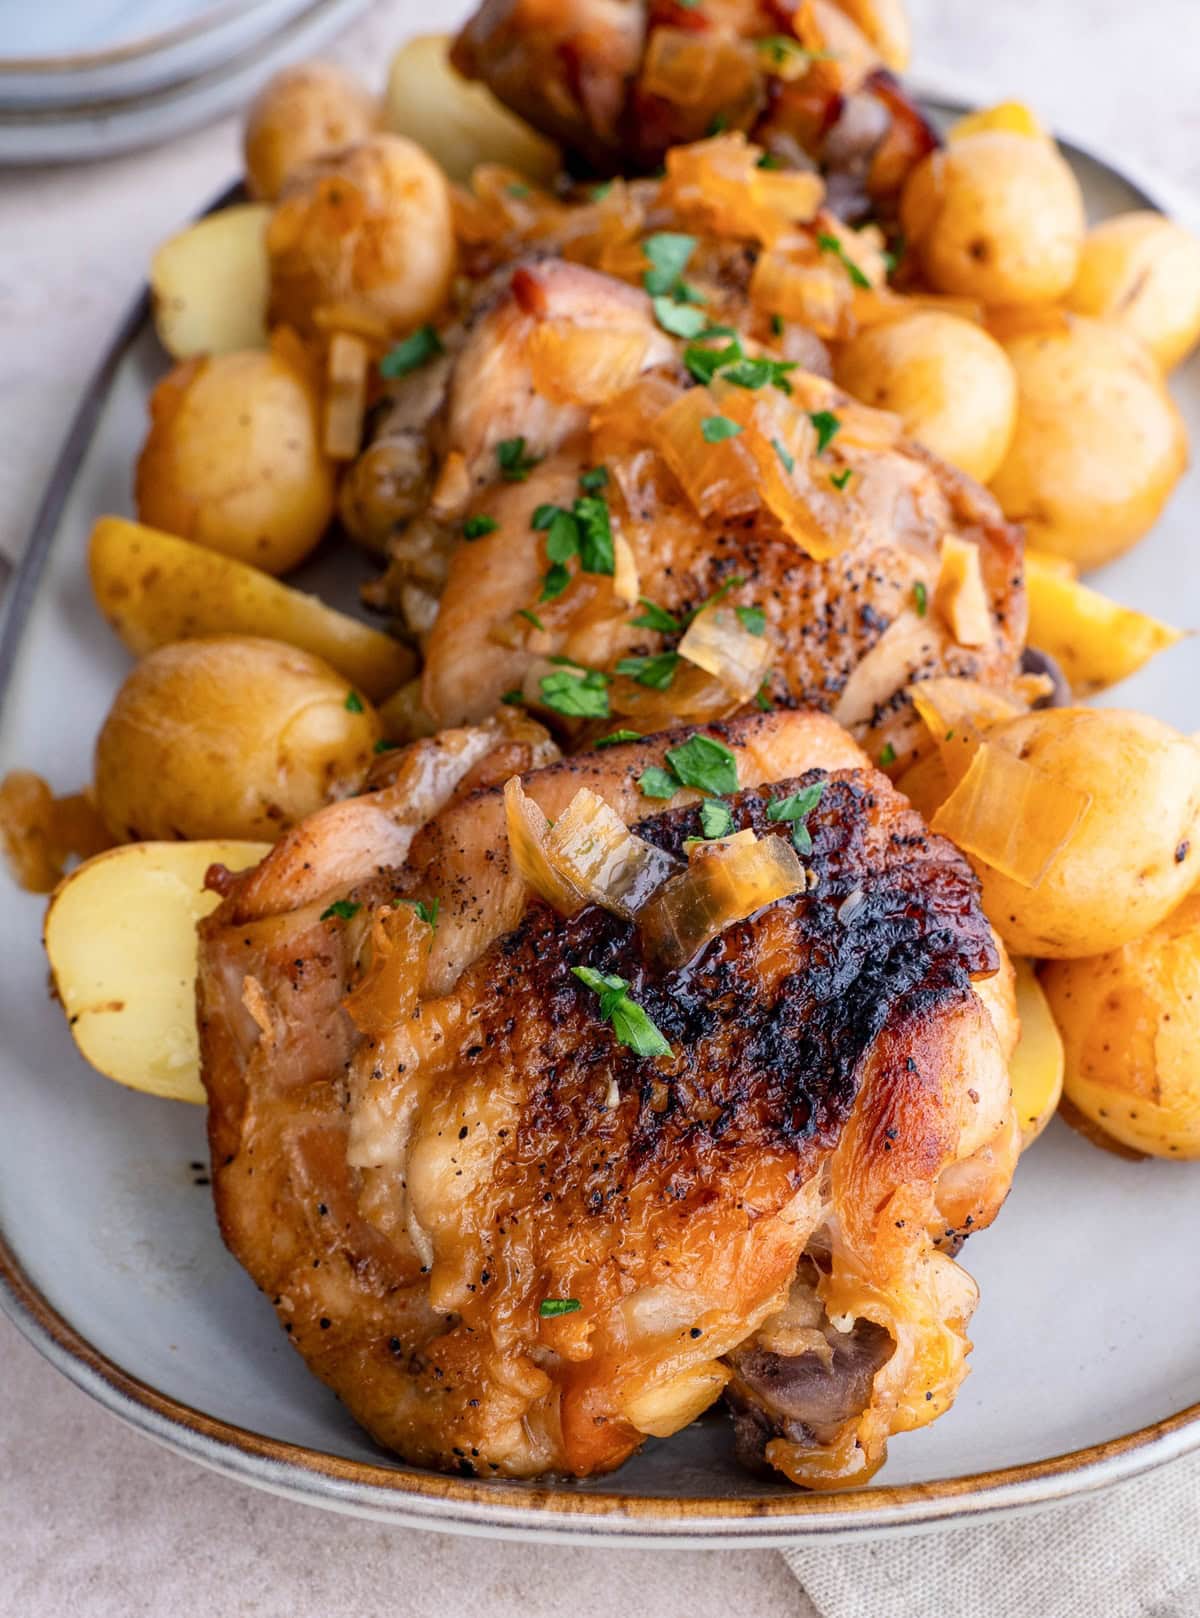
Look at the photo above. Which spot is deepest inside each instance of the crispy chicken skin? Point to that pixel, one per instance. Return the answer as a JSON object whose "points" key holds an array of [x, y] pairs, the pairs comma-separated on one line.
{"points": [[419, 1138]]}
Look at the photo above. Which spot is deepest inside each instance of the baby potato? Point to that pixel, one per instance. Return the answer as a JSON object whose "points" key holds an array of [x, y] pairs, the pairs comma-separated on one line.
{"points": [[229, 736], [1099, 445], [233, 459], [1130, 1022], [302, 112], [995, 216], [1142, 272], [1129, 858], [363, 240], [948, 381]]}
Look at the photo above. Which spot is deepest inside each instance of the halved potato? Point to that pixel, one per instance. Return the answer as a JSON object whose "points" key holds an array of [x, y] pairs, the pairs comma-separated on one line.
{"points": [[210, 284], [1095, 641], [154, 588], [120, 933], [1036, 1066]]}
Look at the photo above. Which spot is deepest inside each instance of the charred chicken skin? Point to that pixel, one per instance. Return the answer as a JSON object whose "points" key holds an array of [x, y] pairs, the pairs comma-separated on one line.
{"points": [[514, 1242]]}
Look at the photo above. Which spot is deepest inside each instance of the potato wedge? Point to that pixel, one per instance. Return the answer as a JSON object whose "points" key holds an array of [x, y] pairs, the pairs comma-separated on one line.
{"points": [[154, 588], [210, 284], [1014, 117], [120, 934], [1036, 1066], [1095, 641]]}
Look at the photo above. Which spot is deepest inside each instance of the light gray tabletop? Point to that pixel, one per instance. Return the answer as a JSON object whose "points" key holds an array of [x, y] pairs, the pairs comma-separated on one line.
{"points": [[98, 1522]]}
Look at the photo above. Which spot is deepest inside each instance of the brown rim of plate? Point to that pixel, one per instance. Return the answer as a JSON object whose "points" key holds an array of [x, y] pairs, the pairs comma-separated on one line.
{"points": [[436, 1500]]}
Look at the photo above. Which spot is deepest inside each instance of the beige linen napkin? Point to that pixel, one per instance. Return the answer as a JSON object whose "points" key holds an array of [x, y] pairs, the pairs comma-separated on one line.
{"points": [[1132, 1551]]}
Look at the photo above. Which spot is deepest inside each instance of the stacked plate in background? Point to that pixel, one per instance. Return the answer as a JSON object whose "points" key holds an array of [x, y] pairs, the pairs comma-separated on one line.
{"points": [[87, 78]]}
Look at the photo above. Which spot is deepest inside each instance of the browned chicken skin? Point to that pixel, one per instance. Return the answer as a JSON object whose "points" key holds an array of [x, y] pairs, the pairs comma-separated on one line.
{"points": [[419, 1138]]}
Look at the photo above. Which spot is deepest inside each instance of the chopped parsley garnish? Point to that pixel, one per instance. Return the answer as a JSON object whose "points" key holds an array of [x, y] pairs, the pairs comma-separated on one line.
{"points": [[733, 582], [383, 745], [786, 459], [840, 479], [680, 319], [781, 50], [554, 581], [655, 782], [416, 350], [752, 618], [718, 428], [584, 531], [831, 244], [595, 534], [343, 909], [734, 365], [768, 160], [594, 479], [630, 1024], [705, 764], [530, 618], [656, 671], [756, 373], [428, 913], [599, 192], [921, 598], [477, 526], [577, 693], [776, 325], [715, 818], [517, 189], [656, 618], [549, 1307], [515, 464], [514, 698], [797, 809], [616, 736], [762, 699], [828, 427], [353, 703], [668, 252], [887, 754]]}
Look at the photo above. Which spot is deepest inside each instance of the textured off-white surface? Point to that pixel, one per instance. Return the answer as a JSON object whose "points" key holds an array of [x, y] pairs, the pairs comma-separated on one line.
{"points": [[96, 1521]]}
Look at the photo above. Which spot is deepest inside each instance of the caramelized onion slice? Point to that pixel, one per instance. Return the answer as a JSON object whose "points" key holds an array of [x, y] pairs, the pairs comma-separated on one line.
{"points": [[581, 364], [1010, 815], [528, 834], [961, 596], [957, 713], [725, 882], [719, 643], [718, 474]]}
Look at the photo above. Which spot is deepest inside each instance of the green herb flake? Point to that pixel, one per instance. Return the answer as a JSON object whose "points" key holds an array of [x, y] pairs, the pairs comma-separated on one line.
{"points": [[595, 534], [704, 363], [706, 764], [576, 693], [781, 50], [668, 253], [478, 526], [342, 909], [554, 582], [517, 189], [655, 782], [416, 350], [549, 1307], [756, 373], [514, 698], [594, 479], [385, 746], [768, 160], [428, 913], [656, 618], [715, 818], [828, 427], [796, 809], [776, 325], [515, 465], [840, 479], [616, 736], [921, 598], [680, 319], [762, 699], [831, 244], [562, 535], [716, 429], [530, 617], [599, 192], [631, 1025], [656, 672], [786, 460], [752, 618], [353, 703], [887, 754]]}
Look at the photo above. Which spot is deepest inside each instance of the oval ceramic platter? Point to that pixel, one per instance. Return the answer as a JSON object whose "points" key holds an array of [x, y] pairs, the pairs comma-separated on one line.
{"points": [[1087, 1357]]}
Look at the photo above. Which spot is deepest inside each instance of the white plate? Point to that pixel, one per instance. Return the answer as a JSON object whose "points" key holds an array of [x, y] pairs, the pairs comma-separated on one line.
{"points": [[1087, 1354]]}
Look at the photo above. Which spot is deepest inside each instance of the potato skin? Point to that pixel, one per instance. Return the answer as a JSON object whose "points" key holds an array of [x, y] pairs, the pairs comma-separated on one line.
{"points": [[1099, 445], [233, 459], [1131, 859], [229, 736], [364, 236], [949, 382], [995, 216], [1142, 272], [301, 113], [1130, 1022]]}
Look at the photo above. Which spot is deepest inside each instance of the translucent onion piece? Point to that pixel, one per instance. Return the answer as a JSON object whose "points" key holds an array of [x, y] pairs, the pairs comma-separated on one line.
{"points": [[725, 882], [583, 365], [692, 696], [718, 183], [625, 571], [717, 478], [1010, 815], [345, 396], [819, 296], [957, 713], [528, 832], [960, 596], [395, 956], [701, 70], [623, 424], [718, 642]]}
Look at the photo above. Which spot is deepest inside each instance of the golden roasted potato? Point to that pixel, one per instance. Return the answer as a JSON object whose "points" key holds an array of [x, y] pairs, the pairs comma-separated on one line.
{"points": [[1083, 825], [120, 934], [154, 588], [229, 736], [363, 241], [1095, 641], [1130, 1023], [1013, 116], [458, 122], [995, 216], [948, 381], [1036, 1066], [1099, 445], [1142, 272], [302, 112], [233, 459], [209, 284]]}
